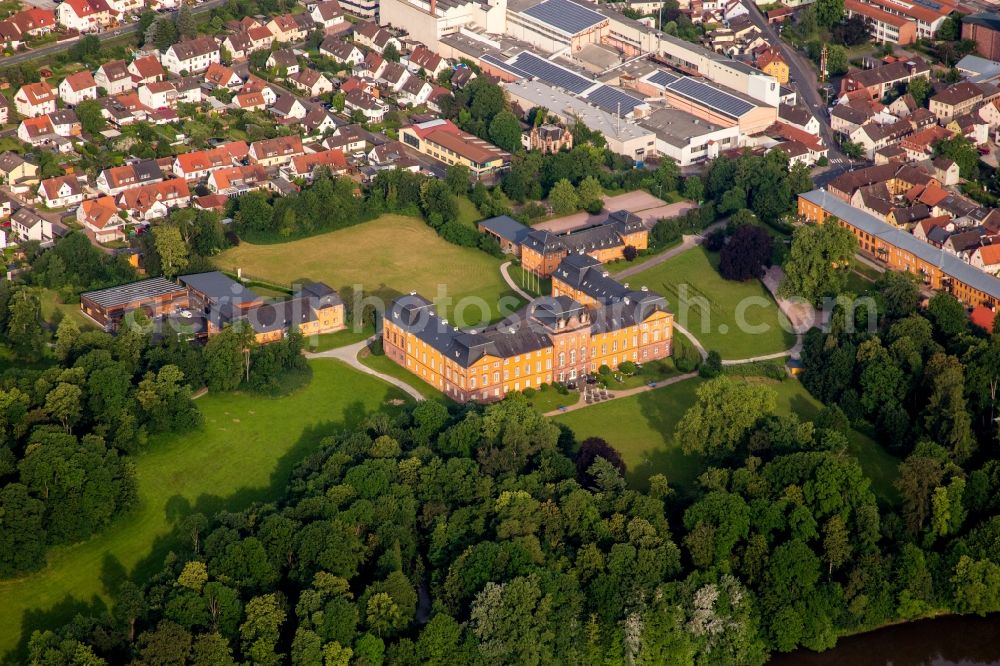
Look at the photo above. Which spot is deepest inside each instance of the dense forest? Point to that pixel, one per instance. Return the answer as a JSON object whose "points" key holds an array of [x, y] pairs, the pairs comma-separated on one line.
{"points": [[490, 535]]}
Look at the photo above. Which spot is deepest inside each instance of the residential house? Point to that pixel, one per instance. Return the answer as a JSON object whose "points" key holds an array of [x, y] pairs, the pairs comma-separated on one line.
{"points": [[924, 227], [902, 106], [311, 82], [302, 166], [871, 136], [146, 69], [125, 7], [235, 180], [250, 101], [328, 15], [77, 88], [198, 164], [343, 52], [284, 60], [956, 99], [220, 76], [86, 15], [770, 61], [35, 131], [113, 77], [971, 126], [445, 142], [115, 180], [4, 110], [920, 144], [21, 26], [60, 192], [882, 79], [372, 109], [462, 76], [257, 84], [799, 117], [986, 258], [191, 56], [320, 121], [17, 172], [423, 59], [276, 151], [348, 138], [27, 225], [415, 91], [159, 95], [289, 108], [990, 113], [35, 99], [65, 123], [371, 67], [154, 200], [100, 217], [374, 37], [286, 28], [394, 75]]}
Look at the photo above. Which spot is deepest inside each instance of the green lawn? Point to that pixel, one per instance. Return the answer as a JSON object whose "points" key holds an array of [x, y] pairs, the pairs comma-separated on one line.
{"points": [[641, 428], [468, 214], [348, 336], [550, 400], [618, 266], [710, 307], [244, 453], [388, 256], [51, 303], [529, 282], [387, 366]]}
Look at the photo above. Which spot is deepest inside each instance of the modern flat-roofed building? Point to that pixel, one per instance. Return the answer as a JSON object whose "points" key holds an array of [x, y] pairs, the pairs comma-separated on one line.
{"points": [[155, 297], [688, 139], [552, 25], [902, 251]]}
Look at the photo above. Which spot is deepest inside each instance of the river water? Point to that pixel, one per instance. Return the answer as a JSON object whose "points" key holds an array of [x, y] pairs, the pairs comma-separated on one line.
{"points": [[947, 641]]}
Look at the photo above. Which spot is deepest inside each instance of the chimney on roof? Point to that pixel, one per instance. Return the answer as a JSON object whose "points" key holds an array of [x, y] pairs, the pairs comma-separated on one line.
{"points": [[434, 7]]}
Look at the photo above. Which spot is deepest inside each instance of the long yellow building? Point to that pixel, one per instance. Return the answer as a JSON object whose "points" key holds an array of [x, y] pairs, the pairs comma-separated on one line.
{"points": [[558, 338]]}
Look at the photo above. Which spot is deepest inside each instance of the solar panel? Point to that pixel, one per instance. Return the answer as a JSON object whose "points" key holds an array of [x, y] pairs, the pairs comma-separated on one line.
{"points": [[565, 16], [712, 97], [497, 62], [929, 3], [609, 98], [661, 78], [551, 73]]}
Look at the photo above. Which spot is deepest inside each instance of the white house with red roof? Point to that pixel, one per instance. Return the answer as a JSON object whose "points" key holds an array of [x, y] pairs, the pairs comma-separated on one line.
{"points": [[114, 77], [77, 88], [35, 99], [302, 166], [146, 69], [86, 15], [327, 15], [60, 192], [200, 163], [235, 180], [987, 258], [100, 217], [191, 56], [422, 58], [276, 151]]}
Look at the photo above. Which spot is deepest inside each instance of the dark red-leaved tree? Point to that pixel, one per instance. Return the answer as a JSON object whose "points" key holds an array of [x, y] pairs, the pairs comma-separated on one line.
{"points": [[590, 450], [746, 254]]}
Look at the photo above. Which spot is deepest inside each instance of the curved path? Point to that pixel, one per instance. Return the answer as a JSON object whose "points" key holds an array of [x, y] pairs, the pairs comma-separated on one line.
{"points": [[349, 355], [688, 241], [505, 272]]}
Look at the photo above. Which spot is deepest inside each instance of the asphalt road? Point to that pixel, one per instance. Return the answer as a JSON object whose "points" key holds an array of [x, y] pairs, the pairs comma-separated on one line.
{"points": [[126, 29], [804, 78]]}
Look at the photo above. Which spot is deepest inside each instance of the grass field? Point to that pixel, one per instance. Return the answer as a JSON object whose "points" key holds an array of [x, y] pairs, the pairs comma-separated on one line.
{"points": [[348, 336], [385, 365], [51, 304], [244, 453], [691, 280], [388, 256], [468, 214], [641, 428]]}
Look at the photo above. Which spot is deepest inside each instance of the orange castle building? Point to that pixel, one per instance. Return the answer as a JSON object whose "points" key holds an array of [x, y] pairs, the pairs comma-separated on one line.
{"points": [[558, 338]]}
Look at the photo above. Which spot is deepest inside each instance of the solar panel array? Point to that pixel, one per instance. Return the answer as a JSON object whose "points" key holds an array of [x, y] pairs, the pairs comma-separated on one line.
{"points": [[551, 73], [711, 96], [929, 4], [662, 78], [613, 100], [500, 64], [565, 16]]}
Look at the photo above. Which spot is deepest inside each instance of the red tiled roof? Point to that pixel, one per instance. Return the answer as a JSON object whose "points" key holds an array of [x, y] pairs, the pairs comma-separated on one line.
{"points": [[983, 317]]}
